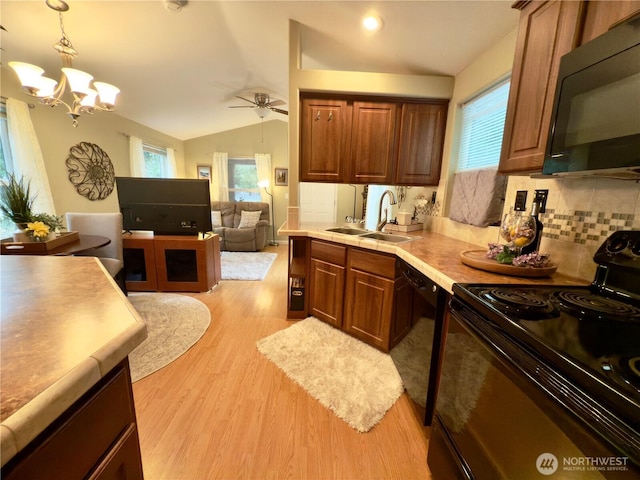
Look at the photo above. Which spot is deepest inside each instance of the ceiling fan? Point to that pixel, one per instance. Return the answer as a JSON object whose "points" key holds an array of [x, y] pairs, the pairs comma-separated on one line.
{"points": [[263, 104]]}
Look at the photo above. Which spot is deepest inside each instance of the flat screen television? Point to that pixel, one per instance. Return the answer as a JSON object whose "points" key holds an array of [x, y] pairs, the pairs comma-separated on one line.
{"points": [[165, 206]]}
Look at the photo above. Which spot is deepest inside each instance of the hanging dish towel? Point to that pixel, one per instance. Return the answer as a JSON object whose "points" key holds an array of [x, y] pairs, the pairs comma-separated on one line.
{"points": [[478, 197]]}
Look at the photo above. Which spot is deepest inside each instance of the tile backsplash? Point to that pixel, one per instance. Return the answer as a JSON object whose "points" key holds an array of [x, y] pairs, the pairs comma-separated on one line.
{"points": [[585, 227], [580, 214]]}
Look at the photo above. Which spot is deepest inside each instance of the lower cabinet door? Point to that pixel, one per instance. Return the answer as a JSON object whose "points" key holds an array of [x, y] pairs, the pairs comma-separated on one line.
{"points": [[369, 308], [327, 292]]}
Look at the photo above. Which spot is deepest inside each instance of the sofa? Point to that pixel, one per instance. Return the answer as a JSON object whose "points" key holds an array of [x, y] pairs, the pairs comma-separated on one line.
{"points": [[238, 231]]}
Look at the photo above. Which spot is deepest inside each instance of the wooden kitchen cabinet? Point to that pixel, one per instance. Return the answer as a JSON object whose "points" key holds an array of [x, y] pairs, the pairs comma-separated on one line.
{"points": [[327, 275], [373, 142], [603, 15], [422, 128], [325, 132], [369, 307], [547, 30], [95, 438]]}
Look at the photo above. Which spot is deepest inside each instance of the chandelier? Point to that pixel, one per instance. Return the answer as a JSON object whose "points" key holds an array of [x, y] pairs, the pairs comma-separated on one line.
{"points": [[86, 99]]}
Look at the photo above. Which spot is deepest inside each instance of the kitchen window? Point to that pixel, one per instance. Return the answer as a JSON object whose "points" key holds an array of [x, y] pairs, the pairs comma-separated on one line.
{"points": [[482, 128], [243, 180]]}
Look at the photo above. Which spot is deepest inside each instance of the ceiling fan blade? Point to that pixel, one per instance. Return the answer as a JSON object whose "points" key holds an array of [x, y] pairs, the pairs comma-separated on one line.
{"points": [[242, 106], [279, 110], [246, 100], [275, 103]]}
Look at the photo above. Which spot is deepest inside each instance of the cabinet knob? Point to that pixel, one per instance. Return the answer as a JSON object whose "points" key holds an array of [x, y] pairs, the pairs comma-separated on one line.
{"points": [[434, 288], [330, 115], [318, 115]]}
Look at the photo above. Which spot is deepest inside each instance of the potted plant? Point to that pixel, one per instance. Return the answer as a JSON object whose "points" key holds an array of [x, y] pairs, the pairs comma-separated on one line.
{"points": [[16, 200]]}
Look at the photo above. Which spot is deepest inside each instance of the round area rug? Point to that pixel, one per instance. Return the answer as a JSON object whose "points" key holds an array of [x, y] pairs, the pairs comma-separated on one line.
{"points": [[174, 324]]}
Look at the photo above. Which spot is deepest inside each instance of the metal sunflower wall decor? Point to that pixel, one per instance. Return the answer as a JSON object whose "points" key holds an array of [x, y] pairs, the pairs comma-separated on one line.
{"points": [[91, 171]]}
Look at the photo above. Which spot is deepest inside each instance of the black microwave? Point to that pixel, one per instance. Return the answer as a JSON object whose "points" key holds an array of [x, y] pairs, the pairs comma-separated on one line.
{"points": [[595, 124]]}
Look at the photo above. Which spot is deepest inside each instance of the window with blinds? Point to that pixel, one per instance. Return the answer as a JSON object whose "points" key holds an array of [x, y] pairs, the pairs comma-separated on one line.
{"points": [[482, 128]]}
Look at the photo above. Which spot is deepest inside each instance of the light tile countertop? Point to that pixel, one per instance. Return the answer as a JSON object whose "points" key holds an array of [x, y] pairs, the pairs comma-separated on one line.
{"points": [[435, 255], [65, 324]]}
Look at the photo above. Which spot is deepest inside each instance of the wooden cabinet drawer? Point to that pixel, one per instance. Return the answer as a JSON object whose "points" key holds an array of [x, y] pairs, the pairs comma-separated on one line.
{"points": [[375, 263], [123, 460], [79, 439], [329, 252]]}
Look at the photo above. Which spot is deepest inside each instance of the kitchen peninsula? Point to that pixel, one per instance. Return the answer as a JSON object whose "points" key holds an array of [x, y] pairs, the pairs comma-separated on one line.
{"points": [[66, 403], [435, 255]]}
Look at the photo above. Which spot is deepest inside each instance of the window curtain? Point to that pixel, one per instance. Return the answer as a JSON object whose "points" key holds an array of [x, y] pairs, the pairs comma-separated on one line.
{"points": [[263, 170], [136, 157], [27, 155], [172, 169], [220, 177]]}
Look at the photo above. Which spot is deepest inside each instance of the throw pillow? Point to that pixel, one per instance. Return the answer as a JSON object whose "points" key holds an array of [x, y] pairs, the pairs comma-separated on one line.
{"points": [[216, 218], [249, 219]]}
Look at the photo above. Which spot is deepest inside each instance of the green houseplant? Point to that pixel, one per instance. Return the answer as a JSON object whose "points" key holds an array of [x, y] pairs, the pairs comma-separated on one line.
{"points": [[16, 201], [16, 204]]}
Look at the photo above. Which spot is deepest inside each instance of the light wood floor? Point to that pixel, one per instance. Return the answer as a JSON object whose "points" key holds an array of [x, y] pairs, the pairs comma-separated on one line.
{"points": [[223, 411]]}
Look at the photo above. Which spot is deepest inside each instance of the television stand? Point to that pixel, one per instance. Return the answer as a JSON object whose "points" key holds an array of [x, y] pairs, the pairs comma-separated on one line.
{"points": [[171, 263]]}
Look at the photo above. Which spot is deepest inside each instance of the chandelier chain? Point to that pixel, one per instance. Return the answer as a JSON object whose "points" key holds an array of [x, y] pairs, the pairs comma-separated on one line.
{"points": [[64, 45]]}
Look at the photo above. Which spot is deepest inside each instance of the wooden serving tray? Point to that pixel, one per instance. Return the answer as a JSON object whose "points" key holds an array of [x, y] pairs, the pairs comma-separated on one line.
{"points": [[39, 247], [477, 259]]}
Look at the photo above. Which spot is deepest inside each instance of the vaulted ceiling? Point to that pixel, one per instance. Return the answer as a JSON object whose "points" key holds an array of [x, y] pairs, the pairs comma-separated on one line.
{"points": [[180, 71]]}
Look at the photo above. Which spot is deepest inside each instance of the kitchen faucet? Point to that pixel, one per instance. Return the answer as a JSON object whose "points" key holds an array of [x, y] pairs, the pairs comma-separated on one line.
{"points": [[392, 201]]}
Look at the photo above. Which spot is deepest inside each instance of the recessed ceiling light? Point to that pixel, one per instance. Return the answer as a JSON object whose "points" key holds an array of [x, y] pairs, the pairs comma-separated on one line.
{"points": [[372, 23]]}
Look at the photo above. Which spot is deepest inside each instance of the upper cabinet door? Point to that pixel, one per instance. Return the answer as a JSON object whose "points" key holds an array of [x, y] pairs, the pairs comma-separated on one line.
{"points": [[373, 142], [324, 140], [603, 15], [421, 142], [547, 30]]}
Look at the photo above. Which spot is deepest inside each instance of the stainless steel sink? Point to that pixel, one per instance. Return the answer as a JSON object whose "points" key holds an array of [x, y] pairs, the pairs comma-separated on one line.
{"points": [[387, 237], [347, 230]]}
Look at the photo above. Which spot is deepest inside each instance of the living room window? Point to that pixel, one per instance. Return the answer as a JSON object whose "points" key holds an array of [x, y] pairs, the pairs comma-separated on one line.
{"points": [[243, 180], [155, 161]]}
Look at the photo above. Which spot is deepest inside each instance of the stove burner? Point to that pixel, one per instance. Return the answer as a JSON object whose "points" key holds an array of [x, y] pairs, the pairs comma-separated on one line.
{"points": [[624, 370], [519, 303], [588, 305]]}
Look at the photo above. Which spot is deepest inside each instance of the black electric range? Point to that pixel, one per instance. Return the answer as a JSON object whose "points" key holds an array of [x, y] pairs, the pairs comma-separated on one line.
{"points": [[590, 334]]}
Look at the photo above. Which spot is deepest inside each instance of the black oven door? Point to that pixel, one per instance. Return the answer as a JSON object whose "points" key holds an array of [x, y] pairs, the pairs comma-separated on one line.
{"points": [[494, 422]]}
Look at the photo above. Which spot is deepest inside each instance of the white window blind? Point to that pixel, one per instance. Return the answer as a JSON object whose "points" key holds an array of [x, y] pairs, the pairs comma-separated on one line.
{"points": [[482, 129]]}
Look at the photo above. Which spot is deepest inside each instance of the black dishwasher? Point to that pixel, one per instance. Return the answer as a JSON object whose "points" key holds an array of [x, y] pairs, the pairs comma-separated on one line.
{"points": [[416, 356]]}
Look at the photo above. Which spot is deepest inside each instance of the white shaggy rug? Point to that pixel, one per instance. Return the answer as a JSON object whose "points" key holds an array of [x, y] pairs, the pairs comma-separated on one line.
{"points": [[354, 380], [174, 324], [246, 265]]}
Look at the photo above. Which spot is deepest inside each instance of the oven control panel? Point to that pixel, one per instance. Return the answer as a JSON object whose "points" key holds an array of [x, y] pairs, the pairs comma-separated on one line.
{"points": [[621, 248]]}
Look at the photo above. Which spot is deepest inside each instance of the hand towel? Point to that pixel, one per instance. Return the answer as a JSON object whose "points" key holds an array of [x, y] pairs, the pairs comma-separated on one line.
{"points": [[478, 197]]}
